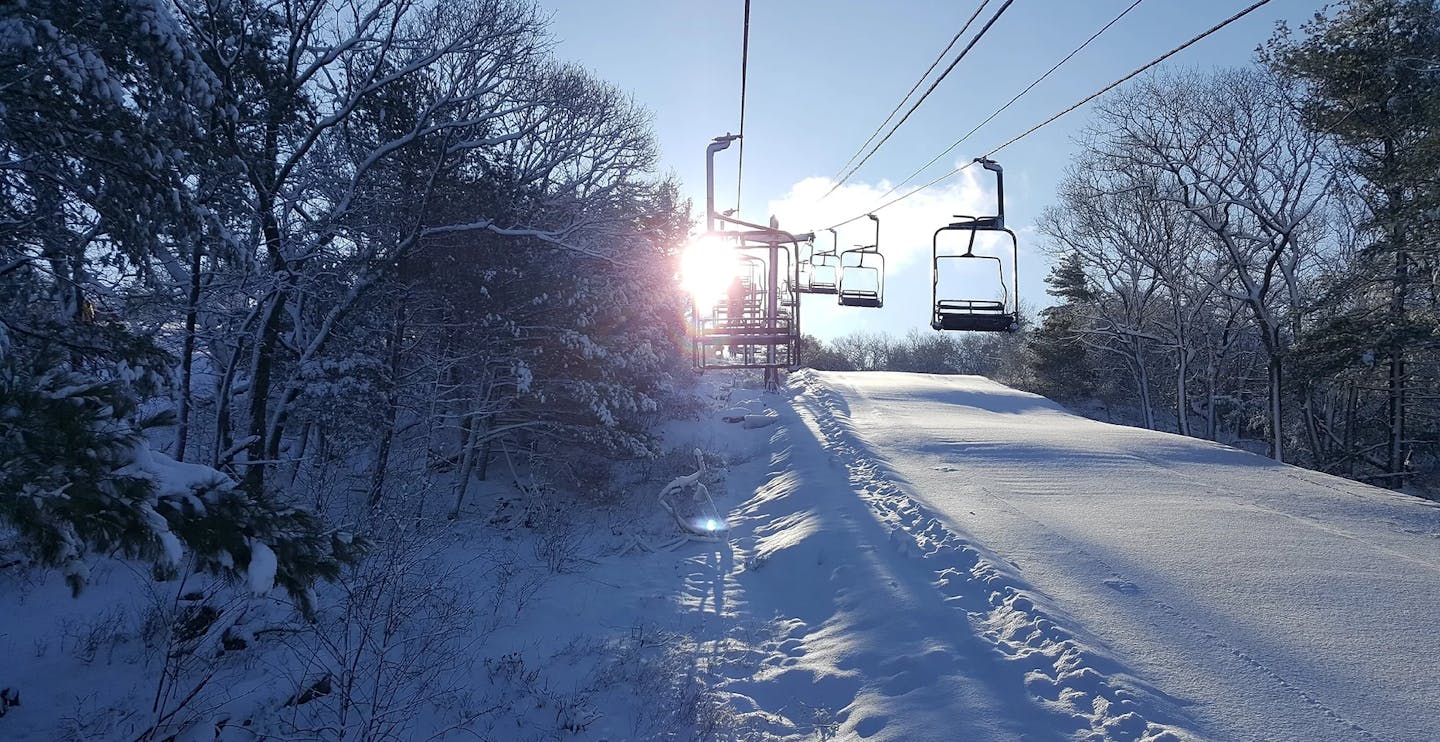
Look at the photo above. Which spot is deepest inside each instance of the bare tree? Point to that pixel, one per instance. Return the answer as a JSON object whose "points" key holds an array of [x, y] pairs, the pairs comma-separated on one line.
{"points": [[351, 123], [1105, 226], [1232, 152]]}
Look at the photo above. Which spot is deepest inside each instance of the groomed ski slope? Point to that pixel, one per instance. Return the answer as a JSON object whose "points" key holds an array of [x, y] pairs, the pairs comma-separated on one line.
{"points": [[959, 560]]}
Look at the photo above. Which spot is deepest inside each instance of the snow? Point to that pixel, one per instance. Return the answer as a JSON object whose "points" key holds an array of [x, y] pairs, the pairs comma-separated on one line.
{"points": [[1261, 599], [175, 478], [260, 574], [169, 542], [759, 421], [900, 557]]}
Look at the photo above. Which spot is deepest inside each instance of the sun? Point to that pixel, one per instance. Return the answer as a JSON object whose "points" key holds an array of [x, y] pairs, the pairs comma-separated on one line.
{"points": [[707, 268]]}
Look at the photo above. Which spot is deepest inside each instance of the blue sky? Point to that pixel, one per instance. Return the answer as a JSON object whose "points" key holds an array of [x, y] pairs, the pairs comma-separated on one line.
{"points": [[823, 75]]}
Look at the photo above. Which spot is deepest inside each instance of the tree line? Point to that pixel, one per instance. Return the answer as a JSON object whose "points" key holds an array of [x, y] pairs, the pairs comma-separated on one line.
{"points": [[1252, 252], [1247, 255]]}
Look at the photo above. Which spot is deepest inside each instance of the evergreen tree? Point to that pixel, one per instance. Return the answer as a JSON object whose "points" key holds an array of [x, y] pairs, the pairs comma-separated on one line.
{"points": [[1370, 75], [1058, 361]]}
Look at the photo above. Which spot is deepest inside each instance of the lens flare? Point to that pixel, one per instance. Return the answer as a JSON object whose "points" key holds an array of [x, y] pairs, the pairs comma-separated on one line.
{"points": [[711, 525], [707, 268]]}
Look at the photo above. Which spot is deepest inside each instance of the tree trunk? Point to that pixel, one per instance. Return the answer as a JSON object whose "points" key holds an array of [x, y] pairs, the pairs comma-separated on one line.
{"points": [[392, 405], [483, 460], [1142, 381], [223, 439], [1397, 456], [477, 457], [1182, 391], [1320, 459], [1210, 393], [261, 367], [268, 342], [303, 449], [187, 354], [1351, 404], [467, 463], [1277, 450]]}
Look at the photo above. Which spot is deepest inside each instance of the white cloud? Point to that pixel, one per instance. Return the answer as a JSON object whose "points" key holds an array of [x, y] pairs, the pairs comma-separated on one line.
{"points": [[906, 230], [905, 227]]}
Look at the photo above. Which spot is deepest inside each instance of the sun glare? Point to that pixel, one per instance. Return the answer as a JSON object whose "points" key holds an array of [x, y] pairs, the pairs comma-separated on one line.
{"points": [[706, 269]]}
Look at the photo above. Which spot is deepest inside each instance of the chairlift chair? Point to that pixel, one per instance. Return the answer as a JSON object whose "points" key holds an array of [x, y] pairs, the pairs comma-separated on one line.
{"points": [[789, 297], [790, 287], [824, 274], [804, 250], [751, 299], [974, 314], [804, 254], [859, 291]]}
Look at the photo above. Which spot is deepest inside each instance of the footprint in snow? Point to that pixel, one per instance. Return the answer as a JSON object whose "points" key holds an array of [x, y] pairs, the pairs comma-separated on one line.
{"points": [[1122, 585], [871, 725]]}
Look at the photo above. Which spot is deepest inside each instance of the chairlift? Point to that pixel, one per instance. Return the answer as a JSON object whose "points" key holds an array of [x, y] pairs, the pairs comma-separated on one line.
{"points": [[789, 297], [802, 272], [804, 250], [975, 314], [824, 274], [745, 298], [862, 282], [756, 321]]}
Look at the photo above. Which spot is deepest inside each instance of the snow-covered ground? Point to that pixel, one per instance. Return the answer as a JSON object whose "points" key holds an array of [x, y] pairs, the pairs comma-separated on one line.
{"points": [[1244, 599], [909, 557]]}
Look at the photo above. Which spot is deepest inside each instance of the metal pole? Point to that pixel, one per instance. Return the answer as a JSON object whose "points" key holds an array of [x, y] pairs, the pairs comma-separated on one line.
{"points": [[772, 308], [716, 145], [935, 279], [994, 167]]}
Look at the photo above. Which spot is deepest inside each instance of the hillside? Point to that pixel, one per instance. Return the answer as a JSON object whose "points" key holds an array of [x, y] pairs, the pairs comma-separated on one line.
{"points": [[908, 557]]}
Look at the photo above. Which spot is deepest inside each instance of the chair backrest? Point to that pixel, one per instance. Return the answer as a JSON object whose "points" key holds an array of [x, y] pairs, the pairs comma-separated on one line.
{"points": [[859, 280], [999, 275], [974, 311], [824, 271]]}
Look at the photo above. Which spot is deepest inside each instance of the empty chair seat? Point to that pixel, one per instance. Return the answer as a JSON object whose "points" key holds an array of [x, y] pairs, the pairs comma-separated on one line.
{"points": [[862, 274], [868, 299], [981, 316]]}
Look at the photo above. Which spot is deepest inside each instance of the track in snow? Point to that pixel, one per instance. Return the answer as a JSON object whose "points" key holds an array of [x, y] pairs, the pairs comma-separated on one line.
{"points": [[1138, 584], [841, 606], [1079, 688]]}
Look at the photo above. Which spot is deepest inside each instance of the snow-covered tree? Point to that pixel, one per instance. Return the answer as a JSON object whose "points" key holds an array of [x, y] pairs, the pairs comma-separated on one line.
{"points": [[1370, 83], [1230, 152], [1058, 364], [94, 126]]}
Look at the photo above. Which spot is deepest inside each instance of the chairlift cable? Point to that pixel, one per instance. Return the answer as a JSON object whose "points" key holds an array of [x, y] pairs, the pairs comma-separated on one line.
{"points": [[1128, 77], [979, 35], [1248, 10], [913, 88], [744, 70], [1012, 101]]}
